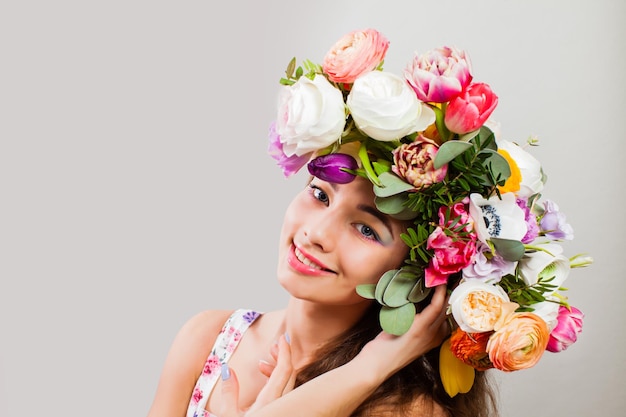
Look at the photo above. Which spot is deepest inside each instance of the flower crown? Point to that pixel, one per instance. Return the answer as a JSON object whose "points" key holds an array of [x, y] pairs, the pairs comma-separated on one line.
{"points": [[480, 226]]}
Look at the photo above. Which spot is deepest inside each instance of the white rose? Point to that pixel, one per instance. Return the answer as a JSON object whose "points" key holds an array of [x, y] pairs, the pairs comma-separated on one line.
{"points": [[497, 217], [548, 311], [530, 168], [311, 115], [477, 306], [385, 108], [546, 263]]}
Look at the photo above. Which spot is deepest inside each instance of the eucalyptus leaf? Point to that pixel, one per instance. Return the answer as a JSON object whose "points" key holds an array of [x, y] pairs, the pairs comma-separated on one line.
{"points": [[486, 135], [391, 205], [382, 285], [397, 320], [397, 292], [366, 290], [499, 165], [391, 184], [450, 150], [511, 250], [419, 292], [469, 136]]}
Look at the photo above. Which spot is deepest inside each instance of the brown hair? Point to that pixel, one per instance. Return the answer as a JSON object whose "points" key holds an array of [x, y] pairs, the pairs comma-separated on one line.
{"points": [[419, 379]]}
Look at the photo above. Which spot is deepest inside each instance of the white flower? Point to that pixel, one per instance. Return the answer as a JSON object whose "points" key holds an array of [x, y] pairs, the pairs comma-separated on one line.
{"points": [[497, 217], [385, 108], [544, 264], [548, 311], [311, 115], [530, 168], [477, 306]]}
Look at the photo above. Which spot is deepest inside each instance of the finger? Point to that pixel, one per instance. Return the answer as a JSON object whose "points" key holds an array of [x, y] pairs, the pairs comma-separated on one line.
{"points": [[229, 404], [282, 378], [266, 368], [274, 350]]}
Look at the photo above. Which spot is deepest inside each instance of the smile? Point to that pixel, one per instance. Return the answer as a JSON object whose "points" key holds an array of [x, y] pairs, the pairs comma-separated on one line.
{"points": [[306, 264]]}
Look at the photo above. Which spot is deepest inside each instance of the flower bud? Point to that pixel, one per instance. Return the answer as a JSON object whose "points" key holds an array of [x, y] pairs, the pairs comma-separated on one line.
{"points": [[331, 168]]}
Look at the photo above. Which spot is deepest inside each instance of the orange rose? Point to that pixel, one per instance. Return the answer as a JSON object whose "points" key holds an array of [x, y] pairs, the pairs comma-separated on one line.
{"points": [[471, 348], [518, 342]]}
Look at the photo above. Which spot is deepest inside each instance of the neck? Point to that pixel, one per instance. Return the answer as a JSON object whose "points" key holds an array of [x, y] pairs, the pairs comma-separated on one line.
{"points": [[311, 325]]}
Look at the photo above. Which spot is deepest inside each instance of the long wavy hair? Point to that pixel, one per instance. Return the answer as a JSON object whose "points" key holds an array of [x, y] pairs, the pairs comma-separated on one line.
{"points": [[419, 379]]}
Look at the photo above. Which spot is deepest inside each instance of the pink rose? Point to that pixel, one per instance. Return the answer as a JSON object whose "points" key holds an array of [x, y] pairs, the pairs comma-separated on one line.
{"points": [[469, 110], [439, 75], [569, 325], [451, 255], [415, 163], [518, 342], [354, 54]]}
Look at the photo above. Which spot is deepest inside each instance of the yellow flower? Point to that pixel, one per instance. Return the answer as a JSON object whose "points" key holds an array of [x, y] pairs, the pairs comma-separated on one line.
{"points": [[512, 184], [455, 375]]}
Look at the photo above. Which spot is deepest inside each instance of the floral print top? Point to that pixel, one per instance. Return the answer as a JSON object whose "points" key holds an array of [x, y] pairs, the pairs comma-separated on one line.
{"points": [[224, 346]]}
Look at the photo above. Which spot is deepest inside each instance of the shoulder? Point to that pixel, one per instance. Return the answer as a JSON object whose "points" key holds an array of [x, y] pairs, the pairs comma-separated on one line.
{"points": [[185, 360]]}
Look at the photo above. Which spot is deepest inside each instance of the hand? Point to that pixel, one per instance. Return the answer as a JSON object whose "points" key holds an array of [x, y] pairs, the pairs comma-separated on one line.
{"points": [[281, 379], [428, 331]]}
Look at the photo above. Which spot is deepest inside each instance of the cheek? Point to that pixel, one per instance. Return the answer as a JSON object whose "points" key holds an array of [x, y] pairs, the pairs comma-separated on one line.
{"points": [[368, 267]]}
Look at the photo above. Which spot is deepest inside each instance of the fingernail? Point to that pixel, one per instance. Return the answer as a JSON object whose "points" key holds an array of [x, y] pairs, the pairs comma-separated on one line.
{"points": [[264, 362], [225, 372], [287, 338]]}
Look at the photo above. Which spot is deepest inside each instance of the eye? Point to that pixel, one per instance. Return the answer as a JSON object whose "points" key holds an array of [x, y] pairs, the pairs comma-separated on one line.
{"points": [[368, 232], [319, 194]]}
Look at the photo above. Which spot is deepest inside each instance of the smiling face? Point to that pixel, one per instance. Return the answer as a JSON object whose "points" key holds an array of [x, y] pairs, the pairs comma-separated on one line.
{"points": [[334, 239]]}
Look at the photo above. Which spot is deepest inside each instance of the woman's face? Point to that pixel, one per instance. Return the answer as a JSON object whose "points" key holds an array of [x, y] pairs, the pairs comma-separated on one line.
{"points": [[334, 239]]}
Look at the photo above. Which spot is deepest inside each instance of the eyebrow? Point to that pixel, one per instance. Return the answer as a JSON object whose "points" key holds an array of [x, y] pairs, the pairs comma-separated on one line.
{"points": [[380, 216], [371, 210]]}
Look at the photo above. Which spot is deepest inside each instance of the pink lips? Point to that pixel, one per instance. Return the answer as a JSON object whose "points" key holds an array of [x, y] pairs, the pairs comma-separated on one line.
{"points": [[299, 266]]}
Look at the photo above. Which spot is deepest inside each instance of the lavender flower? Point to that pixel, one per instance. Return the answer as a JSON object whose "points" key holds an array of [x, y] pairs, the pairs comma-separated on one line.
{"points": [[553, 223]]}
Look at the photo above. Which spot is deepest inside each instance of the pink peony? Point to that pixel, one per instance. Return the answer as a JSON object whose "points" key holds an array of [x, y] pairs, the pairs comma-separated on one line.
{"points": [[354, 54], [451, 255], [415, 163], [439, 75], [569, 325], [469, 110]]}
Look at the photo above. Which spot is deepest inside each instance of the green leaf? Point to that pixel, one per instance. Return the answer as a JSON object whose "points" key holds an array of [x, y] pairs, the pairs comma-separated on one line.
{"points": [[382, 285], [366, 290], [391, 205], [397, 320], [419, 292], [395, 207], [497, 164], [511, 250], [381, 166], [487, 138], [391, 184], [397, 292], [450, 150]]}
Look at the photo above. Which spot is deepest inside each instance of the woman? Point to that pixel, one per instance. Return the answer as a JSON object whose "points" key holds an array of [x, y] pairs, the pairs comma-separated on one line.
{"points": [[324, 353]]}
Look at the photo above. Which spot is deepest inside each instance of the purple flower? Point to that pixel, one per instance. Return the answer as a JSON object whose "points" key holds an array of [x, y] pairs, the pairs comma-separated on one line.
{"points": [[531, 221], [289, 164], [553, 223], [488, 267], [250, 316], [332, 168]]}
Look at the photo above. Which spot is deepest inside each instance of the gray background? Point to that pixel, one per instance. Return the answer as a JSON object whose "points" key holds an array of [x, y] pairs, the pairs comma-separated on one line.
{"points": [[136, 190]]}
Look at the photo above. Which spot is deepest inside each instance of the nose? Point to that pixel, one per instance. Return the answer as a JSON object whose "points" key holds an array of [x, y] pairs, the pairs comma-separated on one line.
{"points": [[321, 231]]}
